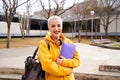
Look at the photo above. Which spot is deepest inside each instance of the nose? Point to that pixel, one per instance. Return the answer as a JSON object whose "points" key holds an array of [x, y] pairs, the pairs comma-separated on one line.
{"points": [[56, 27]]}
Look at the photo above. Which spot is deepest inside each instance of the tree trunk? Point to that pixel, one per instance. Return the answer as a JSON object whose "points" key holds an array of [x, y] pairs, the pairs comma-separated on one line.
{"points": [[8, 35], [22, 29], [106, 31], [28, 25], [72, 30], [86, 28], [39, 22], [78, 32]]}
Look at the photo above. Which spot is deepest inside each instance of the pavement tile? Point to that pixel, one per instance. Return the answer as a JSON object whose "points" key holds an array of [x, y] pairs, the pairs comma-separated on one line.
{"points": [[91, 58]]}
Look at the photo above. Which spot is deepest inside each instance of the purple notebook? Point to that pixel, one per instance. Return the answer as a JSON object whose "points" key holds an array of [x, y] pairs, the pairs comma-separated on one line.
{"points": [[67, 50]]}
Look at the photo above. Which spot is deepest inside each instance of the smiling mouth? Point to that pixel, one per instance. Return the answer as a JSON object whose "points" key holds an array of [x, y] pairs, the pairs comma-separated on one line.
{"points": [[56, 32]]}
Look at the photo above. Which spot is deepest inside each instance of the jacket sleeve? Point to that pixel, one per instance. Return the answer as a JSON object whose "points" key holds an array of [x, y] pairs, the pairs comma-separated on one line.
{"points": [[73, 63], [48, 64]]}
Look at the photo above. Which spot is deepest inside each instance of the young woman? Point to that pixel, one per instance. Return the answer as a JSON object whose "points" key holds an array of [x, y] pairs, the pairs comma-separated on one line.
{"points": [[56, 67]]}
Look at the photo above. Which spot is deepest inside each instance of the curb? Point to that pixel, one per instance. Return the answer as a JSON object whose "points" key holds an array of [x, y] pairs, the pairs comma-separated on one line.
{"points": [[11, 71], [102, 45], [16, 74], [83, 76], [109, 68], [10, 77]]}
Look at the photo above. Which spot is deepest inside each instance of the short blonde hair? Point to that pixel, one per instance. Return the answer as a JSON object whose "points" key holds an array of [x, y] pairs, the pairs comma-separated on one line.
{"points": [[54, 17]]}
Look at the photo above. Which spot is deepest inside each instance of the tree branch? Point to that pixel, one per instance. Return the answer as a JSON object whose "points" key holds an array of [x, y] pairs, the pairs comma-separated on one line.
{"points": [[22, 3], [4, 3]]}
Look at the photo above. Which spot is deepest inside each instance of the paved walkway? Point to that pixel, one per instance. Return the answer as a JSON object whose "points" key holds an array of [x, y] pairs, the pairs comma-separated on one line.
{"points": [[91, 58]]}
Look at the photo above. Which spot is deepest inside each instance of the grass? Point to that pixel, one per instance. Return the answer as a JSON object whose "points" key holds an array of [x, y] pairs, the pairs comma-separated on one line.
{"points": [[19, 42], [34, 41], [116, 46]]}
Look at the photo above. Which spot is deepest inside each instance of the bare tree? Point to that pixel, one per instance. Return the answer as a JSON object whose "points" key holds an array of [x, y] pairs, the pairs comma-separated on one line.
{"points": [[9, 7], [22, 26], [28, 18], [82, 10], [24, 21], [76, 10], [58, 8], [108, 8]]}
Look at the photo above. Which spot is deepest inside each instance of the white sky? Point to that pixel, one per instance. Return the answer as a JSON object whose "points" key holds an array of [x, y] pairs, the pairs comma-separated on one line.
{"points": [[35, 5]]}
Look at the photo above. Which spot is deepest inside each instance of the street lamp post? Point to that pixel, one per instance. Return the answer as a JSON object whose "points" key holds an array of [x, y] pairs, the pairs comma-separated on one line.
{"points": [[92, 14]]}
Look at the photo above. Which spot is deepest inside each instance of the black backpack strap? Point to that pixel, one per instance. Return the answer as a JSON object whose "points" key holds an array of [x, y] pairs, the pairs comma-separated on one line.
{"points": [[47, 42], [36, 50]]}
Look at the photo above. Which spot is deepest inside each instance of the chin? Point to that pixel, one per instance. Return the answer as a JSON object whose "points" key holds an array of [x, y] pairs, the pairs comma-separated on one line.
{"points": [[57, 35]]}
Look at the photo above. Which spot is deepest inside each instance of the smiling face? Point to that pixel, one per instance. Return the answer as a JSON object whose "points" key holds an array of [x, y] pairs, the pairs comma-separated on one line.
{"points": [[55, 27]]}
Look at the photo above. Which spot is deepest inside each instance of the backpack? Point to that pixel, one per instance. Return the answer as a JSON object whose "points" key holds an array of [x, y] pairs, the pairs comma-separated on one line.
{"points": [[33, 68]]}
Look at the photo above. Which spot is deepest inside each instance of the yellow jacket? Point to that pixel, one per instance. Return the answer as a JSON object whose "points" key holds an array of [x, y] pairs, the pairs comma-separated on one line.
{"points": [[48, 58]]}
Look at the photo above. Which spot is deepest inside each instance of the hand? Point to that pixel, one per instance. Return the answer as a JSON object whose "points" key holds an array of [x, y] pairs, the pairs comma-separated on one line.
{"points": [[59, 61]]}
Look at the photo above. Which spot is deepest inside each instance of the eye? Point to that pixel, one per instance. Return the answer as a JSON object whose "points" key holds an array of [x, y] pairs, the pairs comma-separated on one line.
{"points": [[59, 25], [52, 26]]}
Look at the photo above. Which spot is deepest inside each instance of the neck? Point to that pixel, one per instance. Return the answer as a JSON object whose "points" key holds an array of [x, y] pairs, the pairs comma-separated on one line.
{"points": [[55, 38]]}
